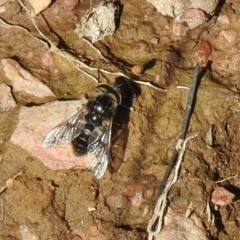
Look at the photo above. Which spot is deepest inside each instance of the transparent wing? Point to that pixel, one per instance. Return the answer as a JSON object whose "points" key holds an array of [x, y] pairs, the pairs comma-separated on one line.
{"points": [[98, 149], [67, 130]]}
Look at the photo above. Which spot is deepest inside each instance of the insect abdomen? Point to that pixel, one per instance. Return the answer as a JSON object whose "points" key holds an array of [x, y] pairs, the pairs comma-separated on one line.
{"points": [[80, 143]]}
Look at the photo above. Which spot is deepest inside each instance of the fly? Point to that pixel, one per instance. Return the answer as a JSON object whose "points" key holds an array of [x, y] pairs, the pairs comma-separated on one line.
{"points": [[90, 128]]}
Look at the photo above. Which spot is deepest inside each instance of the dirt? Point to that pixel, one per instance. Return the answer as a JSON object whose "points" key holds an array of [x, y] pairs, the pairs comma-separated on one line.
{"points": [[41, 203]]}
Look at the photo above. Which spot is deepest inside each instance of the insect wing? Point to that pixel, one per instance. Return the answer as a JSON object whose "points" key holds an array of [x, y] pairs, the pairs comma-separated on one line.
{"points": [[67, 130], [98, 149]]}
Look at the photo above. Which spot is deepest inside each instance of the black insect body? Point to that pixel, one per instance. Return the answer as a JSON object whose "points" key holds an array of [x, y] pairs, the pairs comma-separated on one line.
{"points": [[80, 143], [90, 127], [100, 109]]}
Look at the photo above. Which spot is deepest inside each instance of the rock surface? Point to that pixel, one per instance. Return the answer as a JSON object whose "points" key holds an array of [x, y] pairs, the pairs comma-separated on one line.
{"points": [[39, 6], [26, 87], [194, 13], [34, 124], [222, 196], [165, 48], [6, 100], [181, 228]]}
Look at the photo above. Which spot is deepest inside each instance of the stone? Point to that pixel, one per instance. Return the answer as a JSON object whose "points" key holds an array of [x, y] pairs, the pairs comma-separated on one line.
{"points": [[179, 227], [39, 6], [134, 194], [147, 179], [25, 87], [221, 196], [203, 51], [35, 123], [26, 233], [6, 100], [194, 13]]}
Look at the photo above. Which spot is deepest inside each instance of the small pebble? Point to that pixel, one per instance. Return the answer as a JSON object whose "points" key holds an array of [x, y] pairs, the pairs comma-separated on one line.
{"points": [[145, 211], [137, 199], [179, 29], [149, 178], [203, 52], [131, 190], [149, 193], [91, 209], [155, 40], [222, 197], [93, 229], [223, 18], [137, 70], [134, 193]]}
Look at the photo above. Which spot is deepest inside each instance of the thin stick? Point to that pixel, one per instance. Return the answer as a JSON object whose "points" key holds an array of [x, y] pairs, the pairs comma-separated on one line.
{"points": [[184, 128], [211, 217], [150, 85], [96, 49], [225, 179], [2, 208], [134, 80], [156, 222]]}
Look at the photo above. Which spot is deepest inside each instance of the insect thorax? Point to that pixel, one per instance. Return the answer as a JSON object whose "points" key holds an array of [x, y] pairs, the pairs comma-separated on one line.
{"points": [[103, 107]]}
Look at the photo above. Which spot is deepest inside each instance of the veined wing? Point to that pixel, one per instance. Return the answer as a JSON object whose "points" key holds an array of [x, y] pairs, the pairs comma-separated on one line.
{"points": [[67, 130], [99, 149]]}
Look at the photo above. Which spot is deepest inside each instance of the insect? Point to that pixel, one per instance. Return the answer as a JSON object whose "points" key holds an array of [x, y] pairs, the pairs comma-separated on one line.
{"points": [[90, 127]]}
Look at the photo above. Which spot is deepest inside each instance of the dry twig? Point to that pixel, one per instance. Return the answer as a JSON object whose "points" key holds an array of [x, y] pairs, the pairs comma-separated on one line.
{"points": [[184, 127], [226, 179], [96, 49], [156, 222]]}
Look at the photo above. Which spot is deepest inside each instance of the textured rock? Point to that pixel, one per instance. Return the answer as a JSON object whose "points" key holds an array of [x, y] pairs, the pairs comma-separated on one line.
{"points": [[99, 23], [27, 233], [39, 6], [134, 194], [6, 100], [181, 228], [221, 196], [203, 51], [70, 4], [26, 87], [194, 13], [33, 125]]}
